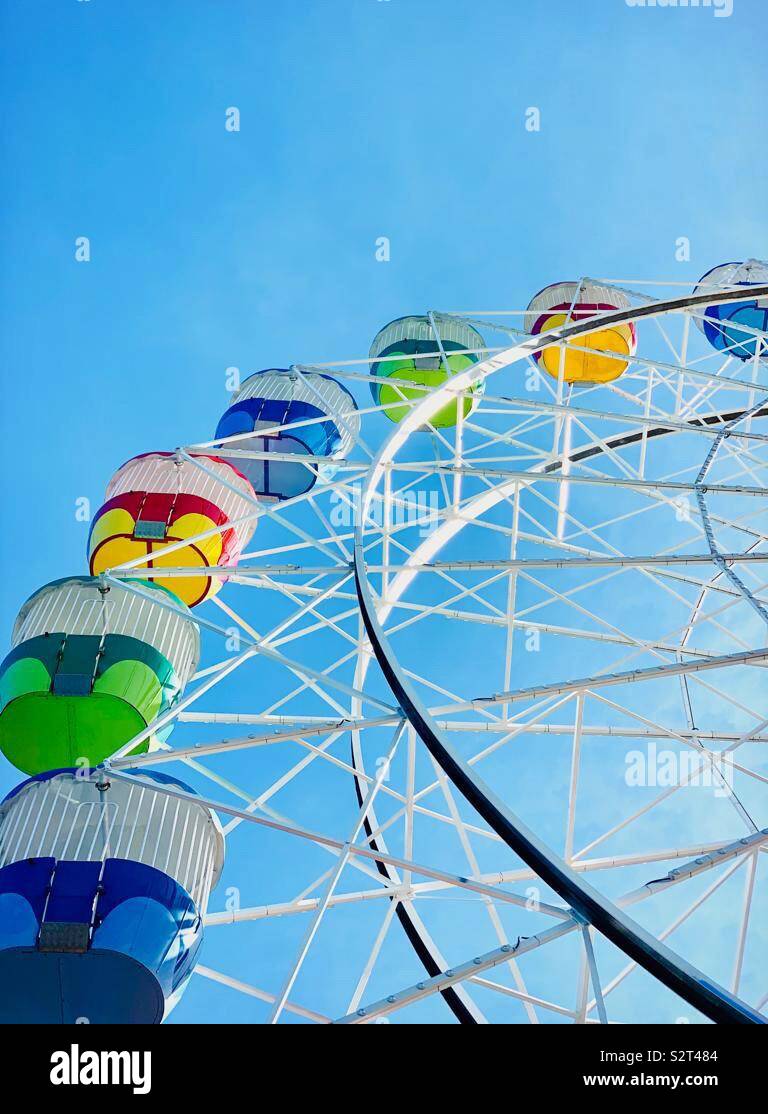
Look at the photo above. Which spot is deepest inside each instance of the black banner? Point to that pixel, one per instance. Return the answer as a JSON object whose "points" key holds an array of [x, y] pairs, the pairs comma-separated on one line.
{"points": [[553, 1060]]}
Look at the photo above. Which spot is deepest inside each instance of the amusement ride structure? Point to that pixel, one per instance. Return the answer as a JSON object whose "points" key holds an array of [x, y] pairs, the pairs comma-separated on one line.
{"points": [[483, 617]]}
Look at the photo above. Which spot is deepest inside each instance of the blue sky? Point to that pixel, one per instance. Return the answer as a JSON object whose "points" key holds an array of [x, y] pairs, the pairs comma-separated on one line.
{"points": [[359, 119]]}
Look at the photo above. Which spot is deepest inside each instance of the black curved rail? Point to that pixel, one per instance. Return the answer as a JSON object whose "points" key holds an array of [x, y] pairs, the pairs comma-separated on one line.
{"points": [[456, 1000], [712, 1000]]}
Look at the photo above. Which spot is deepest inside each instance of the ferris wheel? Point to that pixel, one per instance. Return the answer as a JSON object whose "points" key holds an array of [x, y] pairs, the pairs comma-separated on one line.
{"points": [[424, 687]]}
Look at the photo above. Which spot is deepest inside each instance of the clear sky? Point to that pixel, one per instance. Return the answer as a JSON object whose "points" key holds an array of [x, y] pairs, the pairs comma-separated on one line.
{"points": [[359, 119]]}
